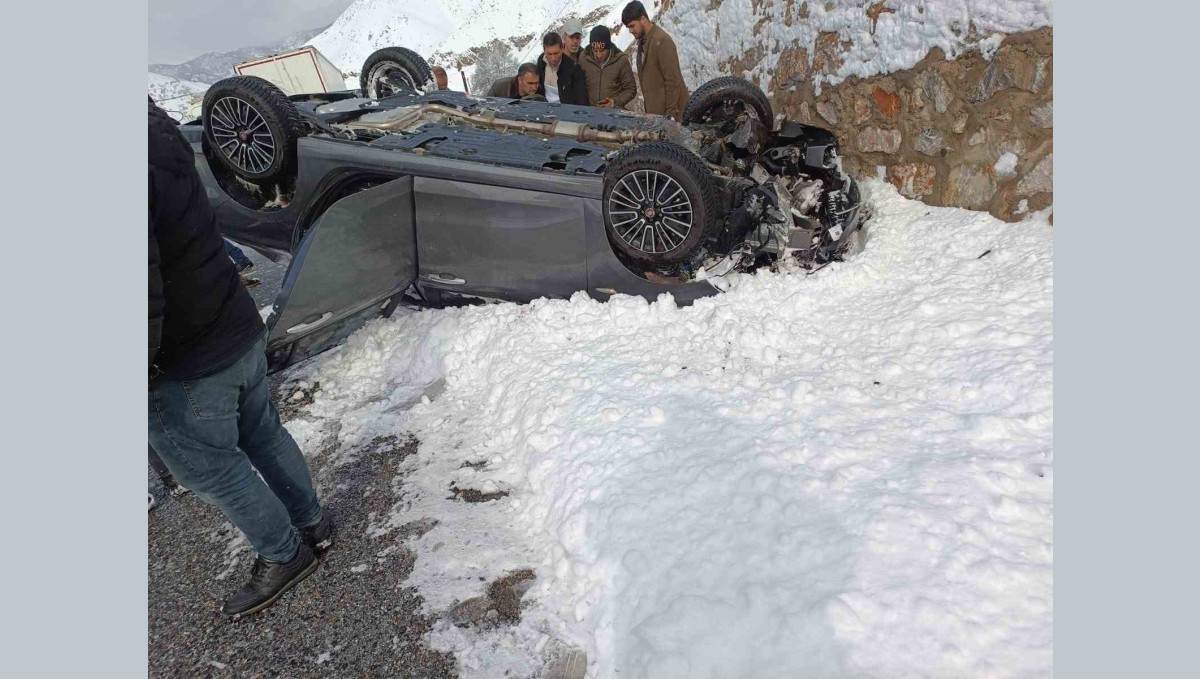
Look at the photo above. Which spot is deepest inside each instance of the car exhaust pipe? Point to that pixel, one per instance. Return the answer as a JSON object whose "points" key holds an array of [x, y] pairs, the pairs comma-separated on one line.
{"points": [[405, 118]]}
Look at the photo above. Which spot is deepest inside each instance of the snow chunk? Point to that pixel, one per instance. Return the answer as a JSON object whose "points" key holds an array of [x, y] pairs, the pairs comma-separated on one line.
{"points": [[1006, 165]]}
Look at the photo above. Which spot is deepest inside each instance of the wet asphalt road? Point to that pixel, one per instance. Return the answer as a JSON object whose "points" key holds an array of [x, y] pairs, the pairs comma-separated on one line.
{"points": [[354, 616]]}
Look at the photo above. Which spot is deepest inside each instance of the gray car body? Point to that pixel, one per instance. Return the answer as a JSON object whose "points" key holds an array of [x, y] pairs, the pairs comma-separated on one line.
{"points": [[452, 229]]}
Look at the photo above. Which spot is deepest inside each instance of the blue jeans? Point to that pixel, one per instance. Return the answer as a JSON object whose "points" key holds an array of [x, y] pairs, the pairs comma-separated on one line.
{"points": [[235, 253], [215, 431]]}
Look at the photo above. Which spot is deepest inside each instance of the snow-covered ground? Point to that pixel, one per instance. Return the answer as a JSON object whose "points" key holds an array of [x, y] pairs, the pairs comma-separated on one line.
{"points": [[842, 474]]}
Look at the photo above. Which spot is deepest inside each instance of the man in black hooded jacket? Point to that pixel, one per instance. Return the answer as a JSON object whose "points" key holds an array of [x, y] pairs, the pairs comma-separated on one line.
{"points": [[211, 419]]}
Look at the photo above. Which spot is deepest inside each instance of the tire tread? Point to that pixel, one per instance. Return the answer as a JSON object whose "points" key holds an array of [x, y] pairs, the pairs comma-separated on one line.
{"points": [[728, 87], [677, 160], [412, 62], [274, 106]]}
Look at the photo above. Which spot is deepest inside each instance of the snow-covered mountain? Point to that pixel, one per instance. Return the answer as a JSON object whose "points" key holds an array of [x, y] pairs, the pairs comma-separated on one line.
{"points": [[448, 32], [213, 66], [174, 95], [179, 88]]}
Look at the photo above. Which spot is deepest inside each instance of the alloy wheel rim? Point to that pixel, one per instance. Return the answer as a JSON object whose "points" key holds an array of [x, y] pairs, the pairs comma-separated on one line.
{"points": [[650, 211], [380, 88], [242, 134]]}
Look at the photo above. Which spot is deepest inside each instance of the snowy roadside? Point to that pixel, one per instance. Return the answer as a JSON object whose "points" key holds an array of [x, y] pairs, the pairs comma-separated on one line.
{"points": [[844, 474]]}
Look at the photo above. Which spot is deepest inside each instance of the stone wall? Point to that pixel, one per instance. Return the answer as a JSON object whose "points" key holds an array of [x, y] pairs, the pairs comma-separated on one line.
{"points": [[972, 132]]}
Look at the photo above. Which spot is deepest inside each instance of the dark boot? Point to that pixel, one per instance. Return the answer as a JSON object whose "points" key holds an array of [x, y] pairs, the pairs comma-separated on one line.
{"points": [[319, 537], [268, 581]]}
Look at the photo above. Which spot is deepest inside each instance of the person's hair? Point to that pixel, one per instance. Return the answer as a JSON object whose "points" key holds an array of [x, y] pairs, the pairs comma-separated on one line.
{"points": [[632, 12], [526, 68], [551, 38]]}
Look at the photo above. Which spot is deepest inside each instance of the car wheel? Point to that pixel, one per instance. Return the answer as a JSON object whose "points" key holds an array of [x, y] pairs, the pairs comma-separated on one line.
{"points": [[394, 70], [660, 202], [723, 99], [251, 127]]}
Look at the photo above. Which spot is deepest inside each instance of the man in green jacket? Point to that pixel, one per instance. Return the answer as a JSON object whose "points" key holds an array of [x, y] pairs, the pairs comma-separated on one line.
{"points": [[610, 81], [657, 64]]}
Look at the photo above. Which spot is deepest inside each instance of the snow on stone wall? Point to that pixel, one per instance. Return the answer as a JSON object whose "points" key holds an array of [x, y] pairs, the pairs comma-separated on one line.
{"points": [[950, 100], [863, 37]]}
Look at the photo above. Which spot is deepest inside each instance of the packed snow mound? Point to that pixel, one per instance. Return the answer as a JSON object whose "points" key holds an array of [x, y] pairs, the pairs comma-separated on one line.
{"points": [[893, 37], [845, 474], [175, 96]]}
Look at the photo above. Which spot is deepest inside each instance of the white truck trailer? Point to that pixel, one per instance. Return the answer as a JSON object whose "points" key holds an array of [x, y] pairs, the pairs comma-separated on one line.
{"points": [[300, 71]]}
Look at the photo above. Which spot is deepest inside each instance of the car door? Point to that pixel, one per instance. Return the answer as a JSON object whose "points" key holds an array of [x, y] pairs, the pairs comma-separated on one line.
{"points": [[357, 257], [498, 242]]}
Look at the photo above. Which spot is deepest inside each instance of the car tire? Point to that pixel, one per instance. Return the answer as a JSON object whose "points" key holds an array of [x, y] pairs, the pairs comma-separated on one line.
{"points": [[251, 127], [660, 202], [386, 61], [721, 99]]}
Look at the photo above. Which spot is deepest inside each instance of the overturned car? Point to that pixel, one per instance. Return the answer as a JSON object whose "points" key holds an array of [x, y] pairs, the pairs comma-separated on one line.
{"points": [[398, 194]]}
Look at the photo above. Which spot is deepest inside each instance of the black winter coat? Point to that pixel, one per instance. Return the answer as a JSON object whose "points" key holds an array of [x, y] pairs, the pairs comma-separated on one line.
{"points": [[572, 84], [201, 317]]}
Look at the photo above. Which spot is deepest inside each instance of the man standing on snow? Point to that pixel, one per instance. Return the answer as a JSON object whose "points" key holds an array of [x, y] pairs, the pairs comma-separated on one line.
{"points": [[210, 415], [610, 80], [562, 79], [573, 40], [657, 64]]}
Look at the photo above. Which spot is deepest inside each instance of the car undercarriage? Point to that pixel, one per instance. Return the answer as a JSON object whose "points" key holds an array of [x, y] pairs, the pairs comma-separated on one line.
{"points": [[780, 197]]}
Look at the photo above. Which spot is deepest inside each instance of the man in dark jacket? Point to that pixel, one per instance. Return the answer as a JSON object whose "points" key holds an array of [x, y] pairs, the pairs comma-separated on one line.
{"points": [[210, 415], [663, 89], [562, 79], [524, 84], [610, 80]]}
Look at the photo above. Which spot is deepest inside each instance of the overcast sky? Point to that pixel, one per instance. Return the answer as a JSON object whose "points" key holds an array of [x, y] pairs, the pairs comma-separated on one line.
{"points": [[183, 29]]}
